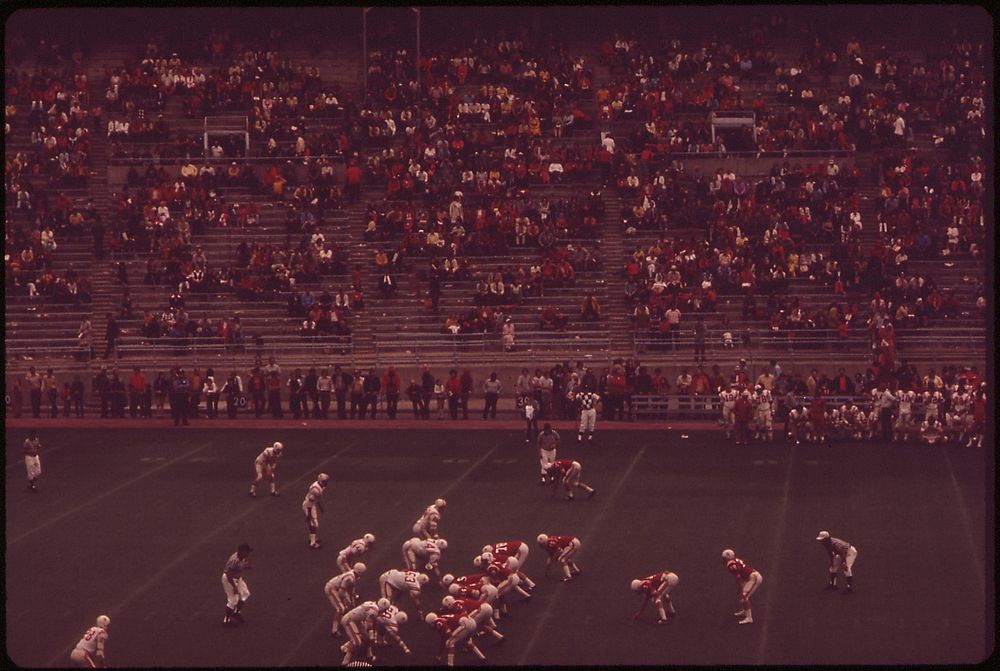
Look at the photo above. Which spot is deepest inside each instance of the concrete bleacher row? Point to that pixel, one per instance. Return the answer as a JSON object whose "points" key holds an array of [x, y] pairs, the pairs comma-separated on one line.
{"points": [[400, 323]]}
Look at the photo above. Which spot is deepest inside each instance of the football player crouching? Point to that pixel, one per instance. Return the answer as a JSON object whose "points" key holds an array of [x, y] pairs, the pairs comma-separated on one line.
{"points": [[562, 549], [424, 555], [394, 583], [656, 587], [387, 629], [797, 425], [454, 628], [479, 610], [517, 549], [359, 623], [340, 590], [931, 431], [351, 554]]}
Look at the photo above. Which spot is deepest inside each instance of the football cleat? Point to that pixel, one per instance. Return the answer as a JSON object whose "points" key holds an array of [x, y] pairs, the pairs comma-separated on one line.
{"points": [[745, 620], [663, 621], [253, 494], [592, 493], [275, 494]]}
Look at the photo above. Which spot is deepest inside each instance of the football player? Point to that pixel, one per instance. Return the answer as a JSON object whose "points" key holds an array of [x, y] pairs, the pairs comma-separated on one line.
{"points": [[358, 623], [931, 430], [427, 526], [797, 426], [656, 587], [748, 579], [312, 507], [420, 554], [340, 590], [347, 557], [764, 415], [517, 549], [904, 420], [89, 651], [32, 460], [394, 582], [266, 464], [480, 612], [387, 628], [568, 472], [561, 548], [234, 585], [728, 398], [548, 442], [454, 628]]}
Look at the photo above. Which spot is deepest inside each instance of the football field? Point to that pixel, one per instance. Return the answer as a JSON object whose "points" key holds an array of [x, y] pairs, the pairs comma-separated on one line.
{"points": [[138, 524]]}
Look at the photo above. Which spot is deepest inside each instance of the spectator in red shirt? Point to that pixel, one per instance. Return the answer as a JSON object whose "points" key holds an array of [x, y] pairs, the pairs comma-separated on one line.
{"points": [[136, 389], [453, 392]]}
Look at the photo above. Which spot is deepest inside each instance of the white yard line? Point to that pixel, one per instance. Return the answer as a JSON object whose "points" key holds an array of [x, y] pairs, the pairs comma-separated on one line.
{"points": [[963, 510], [394, 544], [587, 534], [779, 534], [205, 540], [77, 507]]}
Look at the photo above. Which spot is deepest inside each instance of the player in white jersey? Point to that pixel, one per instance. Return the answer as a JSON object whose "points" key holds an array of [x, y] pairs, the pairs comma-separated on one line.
{"points": [[932, 404], [424, 555], [394, 582], [427, 525], [312, 507], [904, 420], [728, 398], [387, 628], [32, 458], [353, 552], [797, 425], [764, 415], [869, 422], [265, 465], [358, 623], [588, 414], [89, 652], [341, 591], [548, 442]]}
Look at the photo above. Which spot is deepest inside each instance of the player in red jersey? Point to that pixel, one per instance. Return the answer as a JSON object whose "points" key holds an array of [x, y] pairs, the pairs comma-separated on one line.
{"points": [[454, 628], [503, 576], [473, 581], [657, 588], [479, 610], [516, 549], [748, 578], [562, 549], [568, 472]]}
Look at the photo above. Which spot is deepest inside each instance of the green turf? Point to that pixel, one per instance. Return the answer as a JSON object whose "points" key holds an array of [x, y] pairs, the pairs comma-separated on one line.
{"points": [[138, 523]]}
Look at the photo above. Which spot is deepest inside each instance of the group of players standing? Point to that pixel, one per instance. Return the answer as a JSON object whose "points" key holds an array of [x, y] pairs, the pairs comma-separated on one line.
{"points": [[954, 414]]}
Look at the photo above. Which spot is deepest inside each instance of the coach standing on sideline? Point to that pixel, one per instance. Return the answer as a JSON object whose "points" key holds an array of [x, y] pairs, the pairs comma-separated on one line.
{"points": [[179, 397], [842, 554], [492, 388]]}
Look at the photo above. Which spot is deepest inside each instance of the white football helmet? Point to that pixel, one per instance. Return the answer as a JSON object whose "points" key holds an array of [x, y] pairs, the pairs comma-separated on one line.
{"points": [[672, 579], [278, 447], [359, 568], [399, 617], [383, 604], [322, 478], [368, 538], [487, 548], [441, 544], [454, 588], [431, 618], [447, 579], [477, 561], [486, 557], [103, 621], [448, 601], [636, 585], [542, 539], [440, 503], [728, 554], [423, 579]]}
